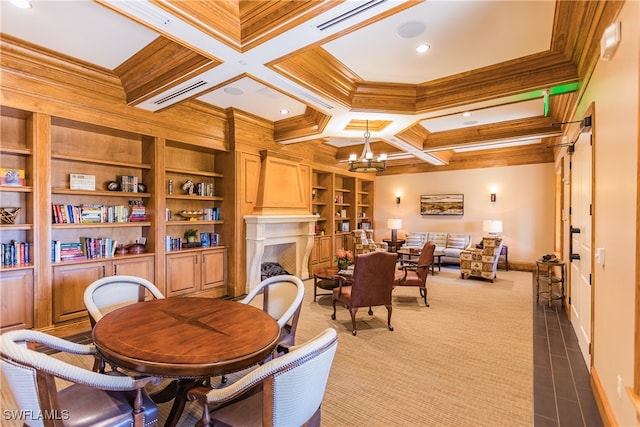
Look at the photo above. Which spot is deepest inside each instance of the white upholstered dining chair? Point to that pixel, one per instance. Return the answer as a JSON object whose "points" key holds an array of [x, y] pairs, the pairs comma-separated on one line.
{"points": [[282, 298], [286, 391], [112, 292], [94, 399]]}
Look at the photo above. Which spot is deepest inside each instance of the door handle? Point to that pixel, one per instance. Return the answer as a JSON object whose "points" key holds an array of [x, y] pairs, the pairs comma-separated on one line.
{"points": [[572, 256]]}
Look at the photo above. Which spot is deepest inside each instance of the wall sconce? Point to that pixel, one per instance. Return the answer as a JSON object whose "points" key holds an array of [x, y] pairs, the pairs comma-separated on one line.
{"points": [[610, 41], [493, 197], [398, 195]]}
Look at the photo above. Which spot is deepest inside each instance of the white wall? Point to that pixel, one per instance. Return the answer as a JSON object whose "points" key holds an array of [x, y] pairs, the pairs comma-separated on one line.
{"points": [[614, 91], [525, 204]]}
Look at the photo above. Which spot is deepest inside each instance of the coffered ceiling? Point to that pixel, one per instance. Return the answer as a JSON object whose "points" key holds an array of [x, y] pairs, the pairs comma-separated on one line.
{"points": [[334, 65]]}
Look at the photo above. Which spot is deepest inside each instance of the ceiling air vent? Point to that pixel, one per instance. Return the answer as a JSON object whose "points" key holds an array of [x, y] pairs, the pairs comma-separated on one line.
{"points": [[190, 87], [349, 14]]}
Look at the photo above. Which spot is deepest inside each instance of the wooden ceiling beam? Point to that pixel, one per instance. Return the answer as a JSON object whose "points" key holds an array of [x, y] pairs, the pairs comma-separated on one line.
{"points": [[513, 129], [312, 122], [159, 66]]}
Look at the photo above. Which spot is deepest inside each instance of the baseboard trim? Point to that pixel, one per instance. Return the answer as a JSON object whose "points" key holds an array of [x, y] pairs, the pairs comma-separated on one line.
{"points": [[606, 412]]}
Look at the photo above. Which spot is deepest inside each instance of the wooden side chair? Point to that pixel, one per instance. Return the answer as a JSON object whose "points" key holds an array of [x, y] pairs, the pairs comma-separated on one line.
{"points": [[372, 284], [415, 273], [94, 399], [282, 297], [286, 391]]}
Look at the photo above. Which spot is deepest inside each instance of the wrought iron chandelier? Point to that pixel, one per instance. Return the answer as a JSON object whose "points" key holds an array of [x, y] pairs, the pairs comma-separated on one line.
{"points": [[366, 163]]}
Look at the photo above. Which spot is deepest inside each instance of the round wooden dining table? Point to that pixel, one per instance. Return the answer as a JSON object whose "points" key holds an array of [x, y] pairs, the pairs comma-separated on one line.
{"points": [[187, 338]]}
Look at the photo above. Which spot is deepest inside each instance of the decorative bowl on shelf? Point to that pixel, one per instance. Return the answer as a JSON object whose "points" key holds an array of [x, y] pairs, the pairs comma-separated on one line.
{"points": [[191, 215], [9, 215]]}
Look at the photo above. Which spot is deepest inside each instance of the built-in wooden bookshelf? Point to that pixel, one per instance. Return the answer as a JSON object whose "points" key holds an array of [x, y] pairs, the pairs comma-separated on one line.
{"points": [[191, 189], [17, 229], [48, 291]]}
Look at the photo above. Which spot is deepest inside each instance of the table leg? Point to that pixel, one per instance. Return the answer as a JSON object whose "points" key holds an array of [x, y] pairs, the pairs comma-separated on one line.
{"points": [[176, 390]]}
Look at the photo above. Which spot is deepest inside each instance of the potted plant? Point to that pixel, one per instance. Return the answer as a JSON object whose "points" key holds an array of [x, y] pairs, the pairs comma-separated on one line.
{"points": [[191, 235]]}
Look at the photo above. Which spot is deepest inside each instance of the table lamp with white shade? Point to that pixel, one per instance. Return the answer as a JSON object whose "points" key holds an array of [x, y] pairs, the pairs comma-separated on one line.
{"points": [[492, 227], [394, 224]]}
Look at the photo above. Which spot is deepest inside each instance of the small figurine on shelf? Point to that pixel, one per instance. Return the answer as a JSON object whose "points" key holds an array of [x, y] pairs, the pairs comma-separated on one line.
{"points": [[188, 186]]}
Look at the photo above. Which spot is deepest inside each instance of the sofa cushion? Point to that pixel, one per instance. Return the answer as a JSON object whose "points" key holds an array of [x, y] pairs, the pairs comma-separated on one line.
{"points": [[416, 239], [440, 239], [458, 241]]}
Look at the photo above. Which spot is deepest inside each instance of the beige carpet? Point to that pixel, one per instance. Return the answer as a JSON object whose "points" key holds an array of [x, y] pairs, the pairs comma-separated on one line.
{"points": [[465, 361]]}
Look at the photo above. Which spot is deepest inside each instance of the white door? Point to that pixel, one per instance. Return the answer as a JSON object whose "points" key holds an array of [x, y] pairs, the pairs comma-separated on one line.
{"points": [[580, 265]]}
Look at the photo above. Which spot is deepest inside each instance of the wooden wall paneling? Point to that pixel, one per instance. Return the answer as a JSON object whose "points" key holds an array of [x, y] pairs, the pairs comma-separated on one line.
{"points": [[159, 191], [40, 129], [16, 299], [35, 79]]}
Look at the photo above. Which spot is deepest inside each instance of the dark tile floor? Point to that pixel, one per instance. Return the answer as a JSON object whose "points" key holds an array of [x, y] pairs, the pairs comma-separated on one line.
{"points": [[562, 395]]}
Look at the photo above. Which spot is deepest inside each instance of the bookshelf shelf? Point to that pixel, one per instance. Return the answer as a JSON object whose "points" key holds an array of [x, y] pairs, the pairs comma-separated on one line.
{"points": [[87, 160], [16, 151], [194, 172], [16, 188], [100, 193], [194, 197], [22, 227], [103, 225], [197, 222]]}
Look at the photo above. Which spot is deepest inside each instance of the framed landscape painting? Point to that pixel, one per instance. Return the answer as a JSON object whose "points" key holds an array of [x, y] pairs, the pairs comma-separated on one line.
{"points": [[442, 204]]}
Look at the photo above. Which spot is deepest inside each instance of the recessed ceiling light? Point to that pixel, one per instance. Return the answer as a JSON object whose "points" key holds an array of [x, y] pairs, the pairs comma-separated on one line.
{"points": [[410, 30], [284, 111], [423, 48], [470, 123], [22, 4], [233, 90], [466, 114]]}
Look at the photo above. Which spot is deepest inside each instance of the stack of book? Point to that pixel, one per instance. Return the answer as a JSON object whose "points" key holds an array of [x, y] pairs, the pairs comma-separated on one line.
{"points": [[138, 211]]}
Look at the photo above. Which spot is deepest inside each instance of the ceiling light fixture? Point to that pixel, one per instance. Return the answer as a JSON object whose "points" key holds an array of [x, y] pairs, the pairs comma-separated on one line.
{"points": [[284, 111], [22, 4], [422, 48], [366, 163]]}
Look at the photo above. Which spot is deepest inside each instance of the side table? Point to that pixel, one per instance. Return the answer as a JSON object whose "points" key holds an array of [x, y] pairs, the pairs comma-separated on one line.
{"points": [[546, 271], [503, 252], [324, 278], [394, 245]]}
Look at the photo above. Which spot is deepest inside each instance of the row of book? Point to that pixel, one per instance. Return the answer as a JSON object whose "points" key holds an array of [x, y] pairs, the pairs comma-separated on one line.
{"points": [[16, 253], [206, 240], [95, 213], [128, 183], [86, 248]]}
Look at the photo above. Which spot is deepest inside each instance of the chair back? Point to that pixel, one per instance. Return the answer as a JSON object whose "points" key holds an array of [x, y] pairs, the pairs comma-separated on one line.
{"points": [[304, 374], [425, 260], [373, 275], [30, 375], [281, 297], [292, 389], [110, 293]]}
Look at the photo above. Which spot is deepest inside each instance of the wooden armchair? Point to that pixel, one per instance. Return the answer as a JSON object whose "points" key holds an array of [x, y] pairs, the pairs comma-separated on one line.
{"points": [[94, 399], [372, 284], [416, 273]]}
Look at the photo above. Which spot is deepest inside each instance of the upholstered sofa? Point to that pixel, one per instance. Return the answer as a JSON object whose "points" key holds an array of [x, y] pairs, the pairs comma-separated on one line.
{"points": [[451, 244]]}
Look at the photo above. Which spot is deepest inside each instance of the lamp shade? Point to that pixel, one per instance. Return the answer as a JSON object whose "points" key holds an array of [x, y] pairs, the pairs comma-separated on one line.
{"points": [[492, 226], [394, 224]]}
